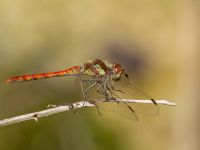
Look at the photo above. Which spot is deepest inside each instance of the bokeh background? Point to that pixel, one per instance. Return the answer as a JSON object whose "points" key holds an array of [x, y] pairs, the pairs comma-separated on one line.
{"points": [[158, 43]]}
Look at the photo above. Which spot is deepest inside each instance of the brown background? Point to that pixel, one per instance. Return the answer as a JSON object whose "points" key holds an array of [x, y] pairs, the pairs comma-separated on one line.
{"points": [[158, 43]]}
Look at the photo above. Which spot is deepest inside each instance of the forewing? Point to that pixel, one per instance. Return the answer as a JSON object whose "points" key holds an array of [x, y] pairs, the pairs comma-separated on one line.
{"points": [[123, 89], [91, 91]]}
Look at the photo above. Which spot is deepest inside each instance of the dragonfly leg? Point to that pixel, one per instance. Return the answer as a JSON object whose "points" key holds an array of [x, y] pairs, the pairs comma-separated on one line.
{"points": [[82, 91], [100, 114], [109, 93], [89, 88]]}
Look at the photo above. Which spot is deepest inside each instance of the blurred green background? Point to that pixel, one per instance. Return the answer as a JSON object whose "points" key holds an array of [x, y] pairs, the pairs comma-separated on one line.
{"points": [[158, 43]]}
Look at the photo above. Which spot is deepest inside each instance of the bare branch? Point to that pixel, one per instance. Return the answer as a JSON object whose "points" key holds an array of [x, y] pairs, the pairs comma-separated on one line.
{"points": [[71, 107], [161, 102]]}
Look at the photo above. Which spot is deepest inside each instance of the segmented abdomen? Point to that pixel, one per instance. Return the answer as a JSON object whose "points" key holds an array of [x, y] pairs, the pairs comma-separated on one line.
{"points": [[74, 71]]}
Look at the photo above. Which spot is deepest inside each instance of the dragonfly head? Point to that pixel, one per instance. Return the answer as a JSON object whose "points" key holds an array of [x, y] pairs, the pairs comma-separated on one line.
{"points": [[118, 72]]}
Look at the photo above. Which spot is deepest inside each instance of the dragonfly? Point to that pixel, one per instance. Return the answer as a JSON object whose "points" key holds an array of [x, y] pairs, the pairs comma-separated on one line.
{"points": [[100, 79]]}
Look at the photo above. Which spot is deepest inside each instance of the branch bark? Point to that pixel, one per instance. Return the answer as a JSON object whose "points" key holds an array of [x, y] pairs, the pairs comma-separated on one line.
{"points": [[72, 107]]}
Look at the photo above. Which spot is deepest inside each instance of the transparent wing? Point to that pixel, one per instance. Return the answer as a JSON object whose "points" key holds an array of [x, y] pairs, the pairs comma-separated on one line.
{"points": [[120, 108], [92, 91], [123, 89]]}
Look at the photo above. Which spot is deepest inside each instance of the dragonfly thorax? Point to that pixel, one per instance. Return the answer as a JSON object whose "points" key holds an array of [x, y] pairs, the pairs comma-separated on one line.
{"points": [[100, 68]]}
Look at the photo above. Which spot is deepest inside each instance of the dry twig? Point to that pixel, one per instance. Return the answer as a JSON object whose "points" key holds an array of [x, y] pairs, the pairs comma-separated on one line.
{"points": [[71, 107]]}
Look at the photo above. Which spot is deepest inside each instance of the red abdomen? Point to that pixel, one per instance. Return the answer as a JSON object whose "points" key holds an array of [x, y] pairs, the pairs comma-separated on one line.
{"points": [[74, 71]]}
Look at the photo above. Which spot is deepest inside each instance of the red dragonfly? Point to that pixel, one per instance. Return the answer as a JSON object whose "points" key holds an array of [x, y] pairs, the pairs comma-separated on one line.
{"points": [[101, 79]]}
